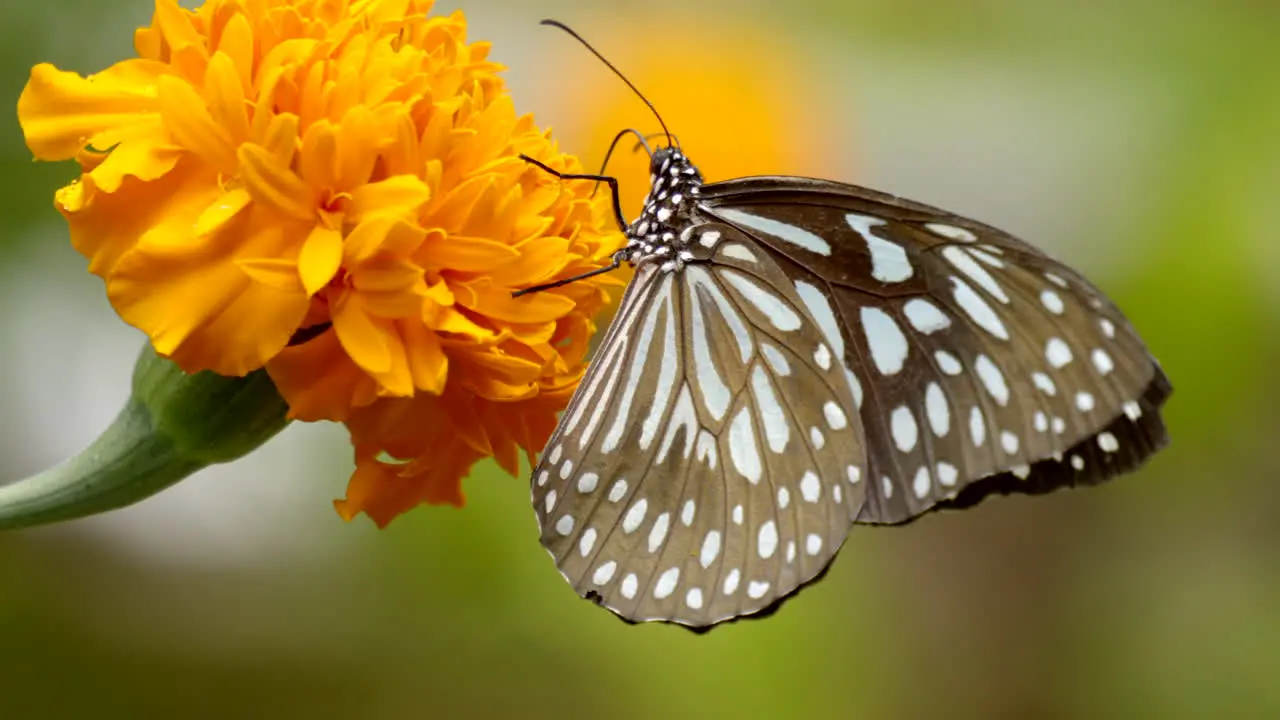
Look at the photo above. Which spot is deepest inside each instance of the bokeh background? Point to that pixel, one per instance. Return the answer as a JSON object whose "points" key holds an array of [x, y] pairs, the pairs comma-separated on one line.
{"points": [[1138, 140]]}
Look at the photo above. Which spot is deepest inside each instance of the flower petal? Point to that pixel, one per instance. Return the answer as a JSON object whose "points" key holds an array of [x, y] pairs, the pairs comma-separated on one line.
{"points": [[204, 316], [61, 111], [190, 125], [399, 196], [320, 258], [468, 254], [319, 380], [274, 184], [496, 302]]}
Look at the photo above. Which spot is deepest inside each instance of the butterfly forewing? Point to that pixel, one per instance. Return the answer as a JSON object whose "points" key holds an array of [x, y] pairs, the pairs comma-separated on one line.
{"points": [[709, 464], [983, 362]]}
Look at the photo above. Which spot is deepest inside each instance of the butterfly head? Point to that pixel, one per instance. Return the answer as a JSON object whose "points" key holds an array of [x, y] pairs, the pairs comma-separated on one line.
{"points": [[674, 185]]}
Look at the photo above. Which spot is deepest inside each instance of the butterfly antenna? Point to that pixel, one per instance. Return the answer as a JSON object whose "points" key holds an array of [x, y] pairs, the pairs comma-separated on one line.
{"points": [[643, 143], [616, 71]]}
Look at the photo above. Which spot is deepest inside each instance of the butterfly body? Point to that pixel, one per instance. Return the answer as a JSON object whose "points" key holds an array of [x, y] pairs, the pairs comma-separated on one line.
{"points": [[795, 356]]}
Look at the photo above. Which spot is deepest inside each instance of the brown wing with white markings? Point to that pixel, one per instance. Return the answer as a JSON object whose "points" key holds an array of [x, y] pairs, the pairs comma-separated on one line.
{"points": [[981, 365], [709, 465]]}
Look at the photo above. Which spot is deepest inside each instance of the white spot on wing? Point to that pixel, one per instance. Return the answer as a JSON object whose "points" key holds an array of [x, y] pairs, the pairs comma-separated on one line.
{"points": [[889, 263], [776, 360], [767, 540], [992, 379], [738, 252], [947, 362], [935, 406], [977, 426], [743, 450], [587, 542], [903, 426], [947, 474], [1102, 361], [836, 419], [1108, 442], [967, 265], [658, 534], [1044, 383], [666, 583], [820, 310], [810, 487], [787, 233], [604, 573], [666, 375], [707, 449], [731, 581], [978, 309], [1057, 352], [822, 356], [1132, 410], [618, 491], [1052, 302], [885, 339], [780, 315], [683, 417], [951, 232], [776, 430], [1009, 442], [710, 549], [924, 316], [813, 543], [631, 521], [817, 438], [920, 483]]}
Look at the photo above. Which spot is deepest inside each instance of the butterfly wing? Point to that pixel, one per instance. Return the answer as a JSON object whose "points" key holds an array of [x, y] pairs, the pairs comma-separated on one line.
{"points": [[706, 468], [981, 364]]}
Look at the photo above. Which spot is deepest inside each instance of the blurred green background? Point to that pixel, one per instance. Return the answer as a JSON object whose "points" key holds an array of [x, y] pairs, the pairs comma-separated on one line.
{"points": [[1138, 140]]}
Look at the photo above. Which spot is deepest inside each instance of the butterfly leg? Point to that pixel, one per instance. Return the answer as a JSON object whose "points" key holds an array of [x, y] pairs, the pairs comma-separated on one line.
{"points": [[641, 142], [611, 181], [614, 263]]}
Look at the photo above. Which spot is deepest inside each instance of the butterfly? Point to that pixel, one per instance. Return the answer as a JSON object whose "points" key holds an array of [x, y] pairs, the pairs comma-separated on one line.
{"points": [[795, 356]]}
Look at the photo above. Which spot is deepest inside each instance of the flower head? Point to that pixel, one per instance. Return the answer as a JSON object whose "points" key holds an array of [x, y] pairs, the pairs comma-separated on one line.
{"points": [[332, 190]]}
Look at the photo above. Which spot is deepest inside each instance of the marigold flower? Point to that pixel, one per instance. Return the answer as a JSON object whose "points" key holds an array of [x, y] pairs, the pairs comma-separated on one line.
{"points": [[331, 190]]}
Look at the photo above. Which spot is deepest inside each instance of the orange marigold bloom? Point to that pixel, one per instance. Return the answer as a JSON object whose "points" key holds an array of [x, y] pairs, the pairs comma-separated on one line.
{"points": [[331, 189]]}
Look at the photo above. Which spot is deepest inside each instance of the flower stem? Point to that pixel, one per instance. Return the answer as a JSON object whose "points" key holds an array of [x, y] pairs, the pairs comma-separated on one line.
{"points": [[173, 425]]}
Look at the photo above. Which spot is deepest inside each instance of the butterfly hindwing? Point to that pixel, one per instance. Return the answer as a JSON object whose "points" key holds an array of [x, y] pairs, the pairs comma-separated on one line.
{"points": [[984, 363]]}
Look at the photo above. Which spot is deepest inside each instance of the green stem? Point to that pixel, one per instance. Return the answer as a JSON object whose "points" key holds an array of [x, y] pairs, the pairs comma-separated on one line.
{"points": [[173, 425], [125, 464]]}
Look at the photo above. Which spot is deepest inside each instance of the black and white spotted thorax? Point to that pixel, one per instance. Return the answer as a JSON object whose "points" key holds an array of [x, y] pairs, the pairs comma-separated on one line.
{"points": [[662, 231]]}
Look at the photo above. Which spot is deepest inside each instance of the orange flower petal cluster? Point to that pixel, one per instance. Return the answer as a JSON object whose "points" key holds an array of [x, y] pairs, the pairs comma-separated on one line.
{"points": [[332, 190]]}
